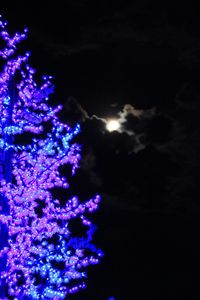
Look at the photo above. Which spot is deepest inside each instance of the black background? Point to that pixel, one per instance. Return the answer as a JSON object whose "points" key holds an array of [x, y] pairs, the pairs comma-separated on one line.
{"points": [[104, 55]]}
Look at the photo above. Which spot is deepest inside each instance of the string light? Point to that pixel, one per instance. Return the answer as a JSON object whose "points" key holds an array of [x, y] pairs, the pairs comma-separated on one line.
{"points": [[44, 260]]}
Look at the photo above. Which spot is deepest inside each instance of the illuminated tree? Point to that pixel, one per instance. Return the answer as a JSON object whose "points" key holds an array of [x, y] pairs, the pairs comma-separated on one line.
{"points": [[39, 256]]}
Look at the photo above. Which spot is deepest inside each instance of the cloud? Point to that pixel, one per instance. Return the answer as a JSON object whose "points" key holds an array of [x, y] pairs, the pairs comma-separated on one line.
{"points": [[133, 122], [88, 164], [110, 157], [129, 109], [139, 115], [74, 112], [150, 160], [134, 23], [60, 49], [188, 97], [176, 132]]}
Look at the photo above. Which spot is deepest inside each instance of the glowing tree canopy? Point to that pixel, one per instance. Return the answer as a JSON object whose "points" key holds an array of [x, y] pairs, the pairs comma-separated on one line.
{"points": [[39, 256]]}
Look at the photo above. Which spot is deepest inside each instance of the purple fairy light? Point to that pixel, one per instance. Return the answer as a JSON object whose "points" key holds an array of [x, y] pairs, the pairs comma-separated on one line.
{"points": [[43, 259]]}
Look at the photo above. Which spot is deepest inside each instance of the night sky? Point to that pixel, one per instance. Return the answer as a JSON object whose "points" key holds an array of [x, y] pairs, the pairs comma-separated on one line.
{"points": [[139, 62]]}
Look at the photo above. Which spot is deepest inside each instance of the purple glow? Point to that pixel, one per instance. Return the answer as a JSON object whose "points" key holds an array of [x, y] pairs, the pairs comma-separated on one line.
{"points": [[38, 243]]}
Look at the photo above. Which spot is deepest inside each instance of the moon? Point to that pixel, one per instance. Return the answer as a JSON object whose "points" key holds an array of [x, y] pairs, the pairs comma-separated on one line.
{"points": [[112, 125]]}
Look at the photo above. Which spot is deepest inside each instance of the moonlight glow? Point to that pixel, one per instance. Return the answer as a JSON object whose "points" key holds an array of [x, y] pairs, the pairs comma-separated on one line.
{"points": [[112, 125]]}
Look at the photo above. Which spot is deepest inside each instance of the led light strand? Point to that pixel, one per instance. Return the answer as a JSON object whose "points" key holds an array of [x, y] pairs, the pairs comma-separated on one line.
{"points": [[44, 260]]}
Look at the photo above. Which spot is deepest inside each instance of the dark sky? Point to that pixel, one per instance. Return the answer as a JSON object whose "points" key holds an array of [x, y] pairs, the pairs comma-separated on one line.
{"points": [[137, 61]]}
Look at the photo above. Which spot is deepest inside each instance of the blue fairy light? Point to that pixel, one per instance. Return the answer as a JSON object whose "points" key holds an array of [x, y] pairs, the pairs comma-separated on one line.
{"points": [[41, 251]]}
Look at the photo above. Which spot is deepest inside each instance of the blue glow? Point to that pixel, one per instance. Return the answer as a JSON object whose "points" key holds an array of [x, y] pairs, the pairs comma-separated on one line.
{"points": [[43, 258]]}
